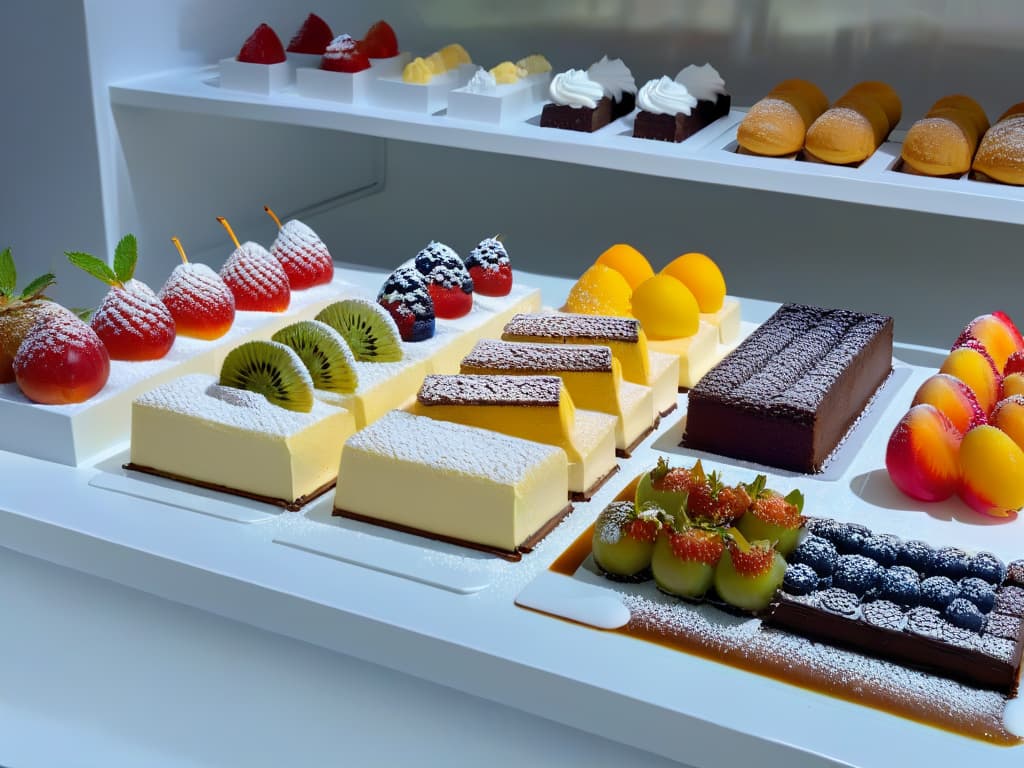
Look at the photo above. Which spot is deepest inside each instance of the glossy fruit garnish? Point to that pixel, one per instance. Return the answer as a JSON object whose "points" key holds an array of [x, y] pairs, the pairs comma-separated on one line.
{"points": [[600, 291], [19, 310], [1014, 364], [972, 364], [379, 42], [256, 279], [489, 266], [748, 575], [61, 361], [344, 55], [697, 545], [684, 560], [710, 501], [992, 468], [1008, 415], [665, 488], [1013, 384], [200, 302], [313, 36], [131, 321], [665, 308], [263, 46], [302, 253], [954, 398], [772, 516], [449, 283], [628, 262], [623, 540], [997, 334], [923, 454], [702, 276], [406, 298]]}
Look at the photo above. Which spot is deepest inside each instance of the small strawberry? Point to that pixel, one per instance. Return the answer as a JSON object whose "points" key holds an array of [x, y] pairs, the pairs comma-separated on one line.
{"points": [[19, 311], [343, 55], [623, 539], [773, 517], [749, 574], [697, 545], [313, 36], [302, 253], [754, 561], [131, 321], [200, 302], [450, 286], [61, 361], [684, 560], [379, 42], [405, 296], [263, 46], [643, 529], [256, 279], [732, 503], [489, 266]]}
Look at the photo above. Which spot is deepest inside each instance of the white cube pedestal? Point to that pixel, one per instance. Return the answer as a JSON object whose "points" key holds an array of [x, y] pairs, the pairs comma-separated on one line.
{"points": [[254, 78], [390, 67], [395, 93], [506, 103], [344, 87], [299, 60]]}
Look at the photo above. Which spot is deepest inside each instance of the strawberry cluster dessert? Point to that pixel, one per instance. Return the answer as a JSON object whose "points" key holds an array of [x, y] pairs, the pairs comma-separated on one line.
{"points": [[964, 432]]}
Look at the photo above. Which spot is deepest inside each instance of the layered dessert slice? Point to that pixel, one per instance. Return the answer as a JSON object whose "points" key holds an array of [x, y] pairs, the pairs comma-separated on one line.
{"points": [[591, 375], [577, 103], [461, 484], [195, 430], [534, 408], [790, 392]]}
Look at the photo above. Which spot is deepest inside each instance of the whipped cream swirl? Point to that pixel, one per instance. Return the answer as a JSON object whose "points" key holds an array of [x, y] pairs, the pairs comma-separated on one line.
{"points": [[703, 82], [665, 97], [574, 88], [614, 77], [482, 82]]}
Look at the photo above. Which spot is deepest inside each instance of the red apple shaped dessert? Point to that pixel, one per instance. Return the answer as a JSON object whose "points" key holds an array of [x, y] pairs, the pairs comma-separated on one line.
{"points": [[132, 322], [256, 279], [19, 311], [305, 258], [263, 46], [313, 36], [379, 42], [201, 303], [61, 361]]}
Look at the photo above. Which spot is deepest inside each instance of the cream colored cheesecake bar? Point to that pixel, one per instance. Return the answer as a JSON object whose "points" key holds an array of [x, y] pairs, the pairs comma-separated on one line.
{"points": [[727, 320], [695, 355], [534, 408], [381, 387], [592, 376], [195, 430], [452, 481]]}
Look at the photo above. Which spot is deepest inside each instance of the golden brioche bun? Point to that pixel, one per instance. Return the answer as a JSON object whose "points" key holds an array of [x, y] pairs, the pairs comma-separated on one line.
{"points": [[884, 95], [868, 106], [966, 121], [805, 91], [941, 145], [1001, 154], [1016, 109], [773, 127], [842, 135], [968, 105]]}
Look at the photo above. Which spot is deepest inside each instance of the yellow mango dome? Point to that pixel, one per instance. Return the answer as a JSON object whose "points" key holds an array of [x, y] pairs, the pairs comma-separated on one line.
{"points": [[600, 291], [702, 276], [665, 308]]}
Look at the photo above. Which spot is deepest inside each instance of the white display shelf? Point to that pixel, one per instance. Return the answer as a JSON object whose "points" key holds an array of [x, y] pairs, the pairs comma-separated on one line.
{"points": [[708, 157], [447, 615]]}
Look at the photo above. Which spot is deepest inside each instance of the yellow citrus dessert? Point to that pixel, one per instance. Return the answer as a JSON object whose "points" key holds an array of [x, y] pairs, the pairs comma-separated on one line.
{"points": [[628, 262], [534, 64], [507, 73], [665, 308], [454, 55], [702, 276], [600, 290], [418, 72]]}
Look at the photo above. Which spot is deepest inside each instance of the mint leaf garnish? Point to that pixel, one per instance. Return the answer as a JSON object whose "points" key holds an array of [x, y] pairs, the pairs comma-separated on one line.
{"points": [[796, 498], [37, 286], [93, 266], [125, 255], [8, 274]]}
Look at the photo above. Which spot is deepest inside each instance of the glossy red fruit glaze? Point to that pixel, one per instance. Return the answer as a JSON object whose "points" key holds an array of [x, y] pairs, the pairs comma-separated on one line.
{"points": [[777, 511], [1014, 364], [313, 36], [1010, 325], [954, 398], [642, 530], [61, 361], [698, 546], [450, 303], [380, 41], [200, 302], [305, 258], [343, 55], [262, 47], [134, 324], [256, 279], [489, 282], [677, 479], [756, 561]]}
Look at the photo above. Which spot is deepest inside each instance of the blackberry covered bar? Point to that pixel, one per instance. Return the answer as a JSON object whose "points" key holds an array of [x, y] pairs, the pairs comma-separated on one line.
{"points": [[790, 392]]}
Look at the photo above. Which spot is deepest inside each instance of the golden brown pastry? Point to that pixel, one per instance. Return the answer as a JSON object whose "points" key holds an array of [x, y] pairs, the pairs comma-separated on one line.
{"points": [[883, 95], [943, 143], [1016, 109], [777, 124], [1001, 154], [853, 128]]}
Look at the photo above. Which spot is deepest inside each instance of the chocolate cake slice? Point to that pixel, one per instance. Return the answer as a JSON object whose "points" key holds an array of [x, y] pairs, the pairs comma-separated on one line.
{"points": [[790, 392], [677, 127], [583, 119]]}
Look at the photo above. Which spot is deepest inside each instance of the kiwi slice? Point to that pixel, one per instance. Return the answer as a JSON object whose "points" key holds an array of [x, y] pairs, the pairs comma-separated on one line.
{"points": [[272, 370], [324, 353], [370, 331]]}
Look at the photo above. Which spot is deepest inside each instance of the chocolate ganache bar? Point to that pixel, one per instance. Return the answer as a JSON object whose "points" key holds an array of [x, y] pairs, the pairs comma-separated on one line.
{"points": [[790, 392]]}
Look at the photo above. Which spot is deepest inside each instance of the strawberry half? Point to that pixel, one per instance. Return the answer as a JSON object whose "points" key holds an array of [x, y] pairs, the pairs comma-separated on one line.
{"points": [[379, 42], [697, 545], [263, 46], [313, 36], [61, 361], [131, 321], [302, 253], [449, 283], [343, 55], [489, 266]]}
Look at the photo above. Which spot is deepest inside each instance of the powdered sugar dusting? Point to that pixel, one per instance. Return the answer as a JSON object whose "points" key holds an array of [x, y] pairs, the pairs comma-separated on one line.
{"points": [[491, 354], [197, 284], [451, 448], [60, 332], [568, 326], [132, 311], [469, 389], [1003, 144], [303, 255], [252, 273], [490, 255]]}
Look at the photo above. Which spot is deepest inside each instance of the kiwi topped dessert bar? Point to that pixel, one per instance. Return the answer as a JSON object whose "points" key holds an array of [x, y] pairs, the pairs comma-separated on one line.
{"points": [[791, 391]]}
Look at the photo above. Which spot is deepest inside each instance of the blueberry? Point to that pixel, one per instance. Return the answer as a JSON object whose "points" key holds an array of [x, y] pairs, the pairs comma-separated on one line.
{"points": [[979, 592], [965, 614], [825, 527], [849, 537], [951, 562], [880, 549], [857, 574], [901, 585], [800, 579], [987, 566], [816, 552], [917, 555], [938, 592], [825, 582]]}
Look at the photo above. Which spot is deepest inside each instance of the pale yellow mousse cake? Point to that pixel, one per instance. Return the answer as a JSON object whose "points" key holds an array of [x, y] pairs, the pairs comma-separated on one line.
{"points": [[591, 375], [727, 320], [381, 387], [530, 407], [464, 484], [194, 429], [695, 355]]}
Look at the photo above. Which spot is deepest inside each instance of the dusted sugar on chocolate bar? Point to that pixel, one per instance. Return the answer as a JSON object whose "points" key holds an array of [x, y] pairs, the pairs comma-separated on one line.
{"points": [[790, 392]]}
